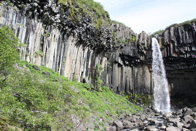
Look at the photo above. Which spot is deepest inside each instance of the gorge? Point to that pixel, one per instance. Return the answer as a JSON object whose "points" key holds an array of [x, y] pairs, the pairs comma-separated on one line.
{"points": [[127, 67], [71, 41]]}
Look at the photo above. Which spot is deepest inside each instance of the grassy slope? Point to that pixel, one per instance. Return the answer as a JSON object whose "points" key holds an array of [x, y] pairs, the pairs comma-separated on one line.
{"points": [[32, 99]]}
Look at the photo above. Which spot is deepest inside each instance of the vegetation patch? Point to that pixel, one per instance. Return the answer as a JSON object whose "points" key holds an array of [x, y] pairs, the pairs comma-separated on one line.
{"points": [[141, 99], [117, 22], [188, 22], [78, 8], [8, 52], [37, 98], [98, 83], [158, 32], [131, 39], [39, 53]]}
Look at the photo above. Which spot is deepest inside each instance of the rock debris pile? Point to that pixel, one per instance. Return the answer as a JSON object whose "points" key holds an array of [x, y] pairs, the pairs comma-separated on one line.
{"points": [[181, 120]]}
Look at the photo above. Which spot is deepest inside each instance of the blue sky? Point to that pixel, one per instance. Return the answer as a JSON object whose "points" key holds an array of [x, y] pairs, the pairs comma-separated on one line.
{"points": [[150, 15]]}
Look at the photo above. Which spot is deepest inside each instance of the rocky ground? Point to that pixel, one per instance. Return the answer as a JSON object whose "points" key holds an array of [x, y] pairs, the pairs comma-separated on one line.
{"points": [[181, 120]]}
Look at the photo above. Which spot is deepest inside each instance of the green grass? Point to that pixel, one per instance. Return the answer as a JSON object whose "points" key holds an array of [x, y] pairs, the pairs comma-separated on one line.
{"points": [[158, 32], [89, 4], [37, 100], [131, 39], [117, 22], [78, 8], [188, 22], [145, 99]]}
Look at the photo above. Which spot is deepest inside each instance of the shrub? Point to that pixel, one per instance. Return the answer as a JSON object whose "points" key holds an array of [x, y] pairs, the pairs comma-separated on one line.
{"points": [[93, 10], [8, 52], [97, 77], [158, 32]]}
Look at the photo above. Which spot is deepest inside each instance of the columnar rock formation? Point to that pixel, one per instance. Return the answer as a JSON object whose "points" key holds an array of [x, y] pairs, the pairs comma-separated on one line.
{"points": [[178, 45], [179, 49], [74, 48]]}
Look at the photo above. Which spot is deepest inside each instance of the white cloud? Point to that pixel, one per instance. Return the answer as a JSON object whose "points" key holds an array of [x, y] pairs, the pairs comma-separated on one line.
{"points": [[153, 16], [157, 17]]}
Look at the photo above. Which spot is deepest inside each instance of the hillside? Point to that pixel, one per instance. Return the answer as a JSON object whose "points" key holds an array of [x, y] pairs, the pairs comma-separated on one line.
{"points": [[65, 65], [37, 98]]}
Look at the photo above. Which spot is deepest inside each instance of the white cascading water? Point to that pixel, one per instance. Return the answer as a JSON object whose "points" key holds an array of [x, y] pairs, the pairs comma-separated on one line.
{"points": [[161, 91]]}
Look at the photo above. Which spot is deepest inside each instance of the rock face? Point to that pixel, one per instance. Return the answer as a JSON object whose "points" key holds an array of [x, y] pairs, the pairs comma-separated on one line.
{"points": [[179, 50], [74, 48], [178, 44], [179, 41]]}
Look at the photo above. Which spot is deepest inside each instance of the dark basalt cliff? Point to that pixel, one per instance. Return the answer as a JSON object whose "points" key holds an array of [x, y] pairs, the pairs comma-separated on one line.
{"points": [[178, 45], [74, 47], [179, 50]]}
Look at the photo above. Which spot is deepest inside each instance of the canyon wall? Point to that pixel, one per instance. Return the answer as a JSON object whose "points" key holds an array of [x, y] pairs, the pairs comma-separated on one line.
{"points": [[179, 50], [178, 46], [73, 49]]}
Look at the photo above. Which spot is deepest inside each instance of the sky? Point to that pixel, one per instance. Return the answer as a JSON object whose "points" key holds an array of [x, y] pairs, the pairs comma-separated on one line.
{"points": [[150, 15]]}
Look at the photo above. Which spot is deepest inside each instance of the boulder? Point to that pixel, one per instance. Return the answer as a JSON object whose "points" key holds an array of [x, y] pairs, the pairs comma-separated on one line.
{"points": [[151, 128], [135, 129], [185, 129], [167, 114], [46, 73], [134, 118], [35, 67], [176, 122], [127, 123], [188, 118], [111, 128], [172, 128], [173, 120], [194, 109], [152, 121], [187, 111], [179, 124], [179, 112], [192, 124], [142, 117], [118, 124], [193, 115], [163, 127]]}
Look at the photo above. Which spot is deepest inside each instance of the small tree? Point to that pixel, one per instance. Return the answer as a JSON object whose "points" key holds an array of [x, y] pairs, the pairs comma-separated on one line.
{"points": [[8, 52]]}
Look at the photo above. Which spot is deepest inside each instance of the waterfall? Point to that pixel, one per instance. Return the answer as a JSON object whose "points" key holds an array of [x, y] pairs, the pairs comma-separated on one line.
{"points": [[161, 91]]}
